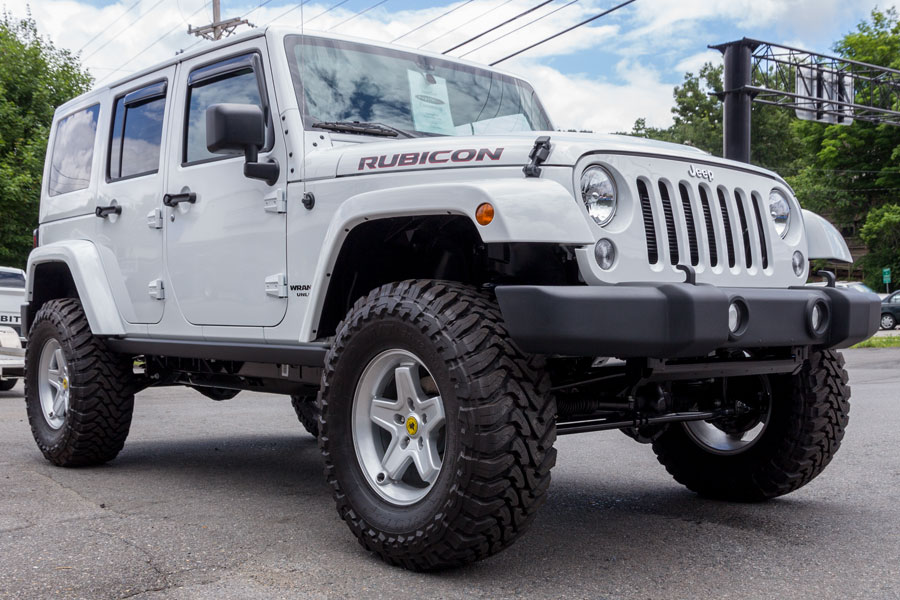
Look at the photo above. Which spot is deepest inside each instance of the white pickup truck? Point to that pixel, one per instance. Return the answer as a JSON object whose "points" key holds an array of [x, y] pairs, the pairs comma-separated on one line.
{"points": [[12, 296]]}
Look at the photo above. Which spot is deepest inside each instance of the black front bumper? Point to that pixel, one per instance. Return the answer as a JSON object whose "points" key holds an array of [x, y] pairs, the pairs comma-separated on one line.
{"points": [[680, 320]]}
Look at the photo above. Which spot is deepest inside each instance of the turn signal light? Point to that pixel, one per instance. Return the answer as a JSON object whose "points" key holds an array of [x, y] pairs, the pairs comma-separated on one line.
{"points": [[484, 214]]}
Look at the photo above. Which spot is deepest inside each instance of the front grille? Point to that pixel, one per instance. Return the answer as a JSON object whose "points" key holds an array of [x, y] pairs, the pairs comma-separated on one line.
{"points": [[745, 243]]}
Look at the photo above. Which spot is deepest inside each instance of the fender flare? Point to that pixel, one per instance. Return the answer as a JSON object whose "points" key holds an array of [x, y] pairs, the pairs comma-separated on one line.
{"points": [[825, 241], [525, 210], [83, 261]]}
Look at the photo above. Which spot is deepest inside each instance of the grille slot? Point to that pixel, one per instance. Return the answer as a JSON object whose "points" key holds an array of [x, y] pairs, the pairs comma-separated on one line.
{"points": [[649, 226], [671, 231], [763, 249], [710, 229], [745, 230], [689, 221], [726, 222]]}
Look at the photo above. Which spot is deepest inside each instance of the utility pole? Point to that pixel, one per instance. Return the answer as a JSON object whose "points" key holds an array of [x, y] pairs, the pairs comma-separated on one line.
{"points": [[218, 28]]}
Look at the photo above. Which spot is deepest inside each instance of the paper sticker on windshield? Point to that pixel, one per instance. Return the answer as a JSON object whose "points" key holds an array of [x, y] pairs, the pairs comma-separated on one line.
{"points": [[430, 103]]}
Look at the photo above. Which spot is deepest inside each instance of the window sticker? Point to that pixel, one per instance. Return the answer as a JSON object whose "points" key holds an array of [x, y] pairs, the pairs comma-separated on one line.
{"points": [[430, 103]]}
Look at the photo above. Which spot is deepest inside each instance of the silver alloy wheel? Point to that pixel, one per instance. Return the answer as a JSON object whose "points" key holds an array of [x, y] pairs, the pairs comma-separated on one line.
{"points": [[717, 439], [888, 322], [53, 384], [399, 431]]}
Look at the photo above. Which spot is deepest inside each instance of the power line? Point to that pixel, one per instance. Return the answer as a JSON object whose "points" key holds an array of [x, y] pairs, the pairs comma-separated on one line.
{"points": [[362, 12], [290, 10], [114, 21], [556, 35], [454, 9], [518, 28], [157, 40], [121, 31], [518, 16], [328, 10], [461, 25]]}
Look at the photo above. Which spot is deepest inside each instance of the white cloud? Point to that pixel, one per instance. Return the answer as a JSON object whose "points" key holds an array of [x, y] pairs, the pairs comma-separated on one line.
{"points": [[668, 29]]}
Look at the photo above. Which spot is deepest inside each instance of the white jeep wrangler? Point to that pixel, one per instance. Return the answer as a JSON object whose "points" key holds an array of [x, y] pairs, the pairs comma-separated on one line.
{"points": [[442, 283]]}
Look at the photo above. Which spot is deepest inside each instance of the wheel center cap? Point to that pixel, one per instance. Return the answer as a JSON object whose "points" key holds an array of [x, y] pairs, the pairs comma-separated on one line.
{"points": [[412, 425], [65, 383]]}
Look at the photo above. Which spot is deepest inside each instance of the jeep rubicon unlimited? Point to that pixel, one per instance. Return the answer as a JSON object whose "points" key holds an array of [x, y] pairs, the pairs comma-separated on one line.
{"points": [[442, 283]]}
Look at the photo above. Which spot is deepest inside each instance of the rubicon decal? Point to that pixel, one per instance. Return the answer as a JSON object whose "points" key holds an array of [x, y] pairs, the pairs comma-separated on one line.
{"points": [[408, 159]]}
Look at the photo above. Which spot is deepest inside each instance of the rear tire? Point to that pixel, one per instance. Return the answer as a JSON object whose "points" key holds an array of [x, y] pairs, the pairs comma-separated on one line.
{"points": [[498, 426], [809, 412], [78, 393], [7, 384], [888, 321], [307, 413]]}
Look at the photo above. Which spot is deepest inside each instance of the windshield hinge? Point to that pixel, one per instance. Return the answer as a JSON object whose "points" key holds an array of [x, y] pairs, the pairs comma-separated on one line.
{"points": [[539, 153]]}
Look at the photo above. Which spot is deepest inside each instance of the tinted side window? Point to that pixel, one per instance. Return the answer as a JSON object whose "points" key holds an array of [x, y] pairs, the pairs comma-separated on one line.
{"points": [[73, 152], [240, 88], [12, 280], [136, 135]]}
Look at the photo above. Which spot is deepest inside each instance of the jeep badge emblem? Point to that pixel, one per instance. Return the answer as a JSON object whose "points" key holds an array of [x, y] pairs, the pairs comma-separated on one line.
{"points": [[700, 173]]}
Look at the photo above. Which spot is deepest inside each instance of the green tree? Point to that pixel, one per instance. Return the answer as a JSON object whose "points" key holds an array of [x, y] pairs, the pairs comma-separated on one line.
{"points": [[35, 78], [881, 233]]}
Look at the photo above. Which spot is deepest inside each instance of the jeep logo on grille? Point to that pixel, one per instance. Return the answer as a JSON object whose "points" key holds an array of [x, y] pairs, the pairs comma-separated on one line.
{"points": [[700, 173]]}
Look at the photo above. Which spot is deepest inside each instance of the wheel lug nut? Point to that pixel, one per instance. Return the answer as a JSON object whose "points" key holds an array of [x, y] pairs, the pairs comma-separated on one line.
{"points": [[421, 443], [398, 418]]}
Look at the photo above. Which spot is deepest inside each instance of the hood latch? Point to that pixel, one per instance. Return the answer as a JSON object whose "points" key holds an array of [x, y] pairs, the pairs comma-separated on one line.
{"points": [[539, 153]]}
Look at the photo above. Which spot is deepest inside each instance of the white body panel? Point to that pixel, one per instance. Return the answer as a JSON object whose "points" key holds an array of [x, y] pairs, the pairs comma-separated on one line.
{"points": [[214, 256]]}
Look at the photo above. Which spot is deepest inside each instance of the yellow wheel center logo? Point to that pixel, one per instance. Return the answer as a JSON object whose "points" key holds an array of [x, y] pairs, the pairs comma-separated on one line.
{"points": [[412, 426], [65, 383]]}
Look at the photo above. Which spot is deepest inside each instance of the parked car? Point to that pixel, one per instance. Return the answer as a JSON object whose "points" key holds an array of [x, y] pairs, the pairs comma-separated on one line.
{"points": [[890, 311], [12, 297], [402, 242], [857, 286], [12, 358]]}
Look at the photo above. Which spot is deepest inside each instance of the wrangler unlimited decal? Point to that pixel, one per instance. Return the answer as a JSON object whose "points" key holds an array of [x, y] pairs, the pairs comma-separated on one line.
{"points": [[420, 158]]}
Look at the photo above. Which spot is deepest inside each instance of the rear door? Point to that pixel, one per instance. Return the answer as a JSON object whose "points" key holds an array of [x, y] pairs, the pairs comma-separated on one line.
{"points": [[130, 237], [226, 251]]}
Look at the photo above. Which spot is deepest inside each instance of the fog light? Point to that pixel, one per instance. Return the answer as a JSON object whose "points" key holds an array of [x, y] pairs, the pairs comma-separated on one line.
{"points": [[734, 317], [798, 263], [818, 318], [605, 254]]}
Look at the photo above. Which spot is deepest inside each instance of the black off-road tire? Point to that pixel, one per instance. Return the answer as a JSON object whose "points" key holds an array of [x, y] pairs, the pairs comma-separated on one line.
{"points": [[7, 384], [101, 397], [500, 426], [809, 415], [307, 413]]}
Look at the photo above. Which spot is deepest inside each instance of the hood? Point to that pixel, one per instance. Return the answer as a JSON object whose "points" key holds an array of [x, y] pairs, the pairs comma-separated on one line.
{"points": [[442, 152]]}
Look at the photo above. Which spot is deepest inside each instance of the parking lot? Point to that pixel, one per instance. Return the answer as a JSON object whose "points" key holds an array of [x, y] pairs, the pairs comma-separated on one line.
{"points": [[227, 500]]}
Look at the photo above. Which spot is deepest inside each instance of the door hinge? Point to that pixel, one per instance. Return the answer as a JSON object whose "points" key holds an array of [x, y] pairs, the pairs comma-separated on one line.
{"points": [[155, 219], [276, 285], [276, 202], [156, 289]]}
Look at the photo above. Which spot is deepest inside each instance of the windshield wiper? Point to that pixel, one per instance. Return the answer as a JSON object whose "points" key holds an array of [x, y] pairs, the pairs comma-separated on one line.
{"points": [[364, 128]]}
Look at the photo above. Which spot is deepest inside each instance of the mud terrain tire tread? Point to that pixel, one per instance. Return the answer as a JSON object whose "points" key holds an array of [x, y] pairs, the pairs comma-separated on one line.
{"points": [[807, 440], [507, 453], [101, 396], [307, 413]]}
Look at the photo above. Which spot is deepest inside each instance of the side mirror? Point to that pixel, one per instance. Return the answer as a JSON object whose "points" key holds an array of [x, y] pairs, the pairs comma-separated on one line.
{"points": [[241, 127]]}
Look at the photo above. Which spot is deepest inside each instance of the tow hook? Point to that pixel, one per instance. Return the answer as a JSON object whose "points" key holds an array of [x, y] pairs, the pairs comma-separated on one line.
{"points": [[539, 153]]}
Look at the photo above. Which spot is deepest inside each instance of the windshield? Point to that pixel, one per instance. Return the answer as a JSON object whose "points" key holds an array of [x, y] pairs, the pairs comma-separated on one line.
{"points": [[338, 81], [11, 279], [861, 287]]}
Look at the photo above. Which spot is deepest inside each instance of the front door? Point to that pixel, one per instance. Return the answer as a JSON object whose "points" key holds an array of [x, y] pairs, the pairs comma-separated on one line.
{"points": [[226, 251], [130, 237]]}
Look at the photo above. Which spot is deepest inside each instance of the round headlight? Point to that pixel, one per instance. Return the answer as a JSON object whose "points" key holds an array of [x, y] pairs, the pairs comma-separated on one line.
{"points": [[599, 194], [780, 209]]}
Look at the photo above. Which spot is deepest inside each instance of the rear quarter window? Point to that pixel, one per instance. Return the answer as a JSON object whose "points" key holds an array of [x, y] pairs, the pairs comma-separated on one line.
{"points": [[73, 152]]}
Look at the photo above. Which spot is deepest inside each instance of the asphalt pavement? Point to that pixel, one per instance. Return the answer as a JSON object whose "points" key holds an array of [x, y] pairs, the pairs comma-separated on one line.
{"points": [[227, 500]]}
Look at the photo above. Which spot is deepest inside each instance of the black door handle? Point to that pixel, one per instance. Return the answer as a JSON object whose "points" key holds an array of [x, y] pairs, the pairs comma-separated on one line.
{"points": [[173, 200], [105, 211]]}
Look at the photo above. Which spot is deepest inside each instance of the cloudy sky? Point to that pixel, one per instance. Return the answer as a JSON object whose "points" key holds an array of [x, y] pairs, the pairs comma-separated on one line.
{"points": [[601, 76]]}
